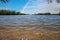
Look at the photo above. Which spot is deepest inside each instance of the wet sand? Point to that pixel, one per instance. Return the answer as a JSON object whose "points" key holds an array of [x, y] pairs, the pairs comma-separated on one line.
{"points": [[43, 33], [34, 27]]}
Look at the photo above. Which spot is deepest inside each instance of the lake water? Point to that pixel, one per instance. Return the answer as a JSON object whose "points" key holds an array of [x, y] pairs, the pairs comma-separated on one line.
{"points": [[21, 20]]}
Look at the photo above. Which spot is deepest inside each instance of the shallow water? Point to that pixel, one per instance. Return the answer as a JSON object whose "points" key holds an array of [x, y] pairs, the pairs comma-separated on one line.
{"points": [[22, 20]]}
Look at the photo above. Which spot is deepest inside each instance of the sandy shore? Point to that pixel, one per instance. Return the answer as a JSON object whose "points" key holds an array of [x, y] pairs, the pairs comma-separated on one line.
{"points": [[14, 34], [33, 27]]}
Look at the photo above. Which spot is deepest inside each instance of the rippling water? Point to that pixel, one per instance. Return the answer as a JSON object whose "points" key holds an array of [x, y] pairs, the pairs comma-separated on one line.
{"points": [[18, 20]]}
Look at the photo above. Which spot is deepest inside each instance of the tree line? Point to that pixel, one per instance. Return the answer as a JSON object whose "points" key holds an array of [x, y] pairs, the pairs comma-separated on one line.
{"points": [[47, 13], [8, 12]]}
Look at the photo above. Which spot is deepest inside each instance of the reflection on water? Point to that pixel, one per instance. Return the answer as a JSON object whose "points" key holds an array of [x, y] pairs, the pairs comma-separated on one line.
{"points": [[16, 20]]}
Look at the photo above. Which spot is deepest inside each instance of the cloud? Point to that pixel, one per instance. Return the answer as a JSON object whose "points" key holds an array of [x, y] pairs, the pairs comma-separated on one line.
{"points": [[36, 6]]}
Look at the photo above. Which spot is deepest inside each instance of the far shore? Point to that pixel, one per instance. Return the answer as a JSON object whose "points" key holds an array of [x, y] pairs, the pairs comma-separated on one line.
{"points": [[11, 12]]}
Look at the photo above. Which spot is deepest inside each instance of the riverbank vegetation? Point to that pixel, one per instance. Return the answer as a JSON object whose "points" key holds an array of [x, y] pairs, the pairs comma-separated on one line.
{"points": [[8, 12], [43, 13], [47, 13], [59, 13]]}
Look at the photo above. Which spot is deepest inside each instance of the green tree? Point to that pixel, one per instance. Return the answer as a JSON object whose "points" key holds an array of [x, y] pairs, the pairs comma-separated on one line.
{"points": [[8, 12], [59, 13], [18, 13]]}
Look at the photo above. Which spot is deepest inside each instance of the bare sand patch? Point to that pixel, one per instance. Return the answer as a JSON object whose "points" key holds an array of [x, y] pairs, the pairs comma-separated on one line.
{"points": [[13, 34]]}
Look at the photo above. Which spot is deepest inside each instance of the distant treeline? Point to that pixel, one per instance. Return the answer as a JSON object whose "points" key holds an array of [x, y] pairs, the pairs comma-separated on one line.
{"points": [[47, 13], [43, 14], [8, 12]]}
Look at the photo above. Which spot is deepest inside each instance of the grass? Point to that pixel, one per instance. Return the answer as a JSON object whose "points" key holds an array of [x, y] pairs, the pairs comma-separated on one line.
{"points": [[14, 34]]}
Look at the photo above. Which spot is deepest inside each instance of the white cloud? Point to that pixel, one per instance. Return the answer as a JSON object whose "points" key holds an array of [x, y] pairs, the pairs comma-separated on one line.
{"points": [[36, 6]]}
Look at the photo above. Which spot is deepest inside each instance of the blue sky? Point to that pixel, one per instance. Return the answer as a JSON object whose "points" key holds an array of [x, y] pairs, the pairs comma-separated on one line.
{"points": [[31, 6], [16, 5]]}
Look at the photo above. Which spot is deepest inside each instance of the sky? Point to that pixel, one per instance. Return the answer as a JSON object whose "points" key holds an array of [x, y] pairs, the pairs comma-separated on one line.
{"points": [[16, 5], [32, 6]]}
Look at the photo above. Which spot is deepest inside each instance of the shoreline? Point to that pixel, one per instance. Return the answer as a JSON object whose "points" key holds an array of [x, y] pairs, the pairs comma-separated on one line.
{"points": [[33, 27], [45, 33], [13, 34]]}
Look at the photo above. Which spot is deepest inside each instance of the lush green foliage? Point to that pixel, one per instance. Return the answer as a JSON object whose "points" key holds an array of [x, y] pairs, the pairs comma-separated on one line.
{"points": [[47, 13], [8, 12], [59, 13], [43, 13]]}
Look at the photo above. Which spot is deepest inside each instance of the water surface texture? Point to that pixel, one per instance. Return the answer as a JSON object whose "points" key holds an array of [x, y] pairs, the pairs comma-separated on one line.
{"points": [[21, 20]]}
